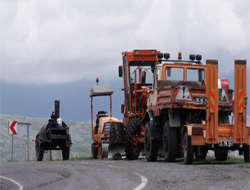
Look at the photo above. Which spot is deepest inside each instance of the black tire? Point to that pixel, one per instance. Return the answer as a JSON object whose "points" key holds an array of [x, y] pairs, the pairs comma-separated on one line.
{"points": [[112, 133], [120, 132], [169, 143], [65, 153], [188, 150], [221, 155], [202, 154], [94, 151], [39, 151], [247, 154], [150, 146], [132, 146]]}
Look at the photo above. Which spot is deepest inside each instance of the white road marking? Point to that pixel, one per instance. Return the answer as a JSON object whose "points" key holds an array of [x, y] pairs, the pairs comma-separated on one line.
{"points": [[13, 181], [143, 183]]}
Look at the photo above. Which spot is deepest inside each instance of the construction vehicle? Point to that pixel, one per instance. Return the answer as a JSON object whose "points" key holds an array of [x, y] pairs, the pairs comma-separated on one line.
{"points": [[186, 115], [136, 65], [53, 136], [108, 132]]}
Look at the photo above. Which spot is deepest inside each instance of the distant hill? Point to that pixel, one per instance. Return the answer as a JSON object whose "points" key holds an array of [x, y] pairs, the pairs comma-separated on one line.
{"points": [[80, 135]]}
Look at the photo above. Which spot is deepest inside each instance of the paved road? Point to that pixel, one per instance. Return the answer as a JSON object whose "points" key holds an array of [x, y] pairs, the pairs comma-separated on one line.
{"points": [[109, 174]]}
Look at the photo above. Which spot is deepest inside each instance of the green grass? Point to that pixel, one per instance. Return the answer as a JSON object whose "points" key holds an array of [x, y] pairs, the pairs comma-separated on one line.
{"points": [[240, 161], [80, 158], [229, 159]]}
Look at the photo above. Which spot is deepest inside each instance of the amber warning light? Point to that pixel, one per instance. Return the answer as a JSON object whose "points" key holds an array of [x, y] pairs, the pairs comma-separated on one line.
{"points": [[97, 80], [179, 55]]}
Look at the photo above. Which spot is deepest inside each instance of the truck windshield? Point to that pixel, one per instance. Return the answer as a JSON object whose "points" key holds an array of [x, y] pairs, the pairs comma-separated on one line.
{"points": [[195, 74], [174, 73], [139, 74]]}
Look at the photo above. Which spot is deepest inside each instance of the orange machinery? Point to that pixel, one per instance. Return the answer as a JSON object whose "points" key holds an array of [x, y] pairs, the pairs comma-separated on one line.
{"points": [[177, 121], [108, 132], [221, 137], [136, 65]]}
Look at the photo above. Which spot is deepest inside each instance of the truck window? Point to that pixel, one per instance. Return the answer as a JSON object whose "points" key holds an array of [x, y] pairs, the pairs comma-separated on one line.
{"points": [[195, 74], [147, 69], [174, 73], [127, 83]]}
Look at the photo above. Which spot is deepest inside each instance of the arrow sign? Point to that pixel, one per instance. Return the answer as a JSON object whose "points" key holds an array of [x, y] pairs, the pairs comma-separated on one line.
{"points": [[13, 128]]}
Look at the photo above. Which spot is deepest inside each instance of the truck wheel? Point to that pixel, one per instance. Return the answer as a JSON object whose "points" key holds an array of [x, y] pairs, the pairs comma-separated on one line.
{"points": [[169, 143], [202, 154], [220, 155], [120, 132], [132, 144], [39, 151], [150, 145], [247, 154], [65, 153], [188, 150], [94, 151]]}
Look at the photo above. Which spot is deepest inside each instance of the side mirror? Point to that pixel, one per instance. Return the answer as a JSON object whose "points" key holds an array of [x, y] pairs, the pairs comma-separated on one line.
{"points": [[120, 71], [143, 77]]}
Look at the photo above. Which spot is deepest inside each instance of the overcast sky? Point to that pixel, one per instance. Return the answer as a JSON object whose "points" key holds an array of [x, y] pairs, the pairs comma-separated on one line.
{"points": [[55, 42]]}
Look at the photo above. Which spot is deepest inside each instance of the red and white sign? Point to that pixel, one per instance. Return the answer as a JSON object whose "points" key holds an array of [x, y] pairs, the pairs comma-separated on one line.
{"points": [[13, 127], [183, 94], [222, 83]]}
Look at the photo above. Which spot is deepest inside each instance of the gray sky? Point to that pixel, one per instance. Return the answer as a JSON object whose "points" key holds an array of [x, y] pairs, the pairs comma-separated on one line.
{"points": [[48, 45], [45, 42]]}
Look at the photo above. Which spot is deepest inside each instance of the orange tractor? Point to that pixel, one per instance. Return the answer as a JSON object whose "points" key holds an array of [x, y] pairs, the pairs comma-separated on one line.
{"points": [[136, 66], [108, 132], [187, 115]]}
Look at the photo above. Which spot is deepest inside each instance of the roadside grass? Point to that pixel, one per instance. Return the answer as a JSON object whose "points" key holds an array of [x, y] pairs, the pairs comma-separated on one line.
{"points": [[235, 160], [80, 158]]}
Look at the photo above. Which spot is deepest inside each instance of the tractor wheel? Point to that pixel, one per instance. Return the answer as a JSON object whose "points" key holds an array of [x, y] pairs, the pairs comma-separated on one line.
{"points": [[120, 132], [150, 146], [112, 133], [247, 154], [169, 143], [202, 154], [188, 150], [103, 150], [94, 151], [39, 151], [131, 143], [65, 153], [220, 155]]}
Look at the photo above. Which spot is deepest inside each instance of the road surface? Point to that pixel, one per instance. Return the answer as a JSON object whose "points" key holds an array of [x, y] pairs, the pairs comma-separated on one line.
{"points": [[123, 175]]}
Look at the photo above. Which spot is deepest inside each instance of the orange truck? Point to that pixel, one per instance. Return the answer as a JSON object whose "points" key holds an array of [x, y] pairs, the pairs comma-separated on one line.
{"points": [[187, 114]]}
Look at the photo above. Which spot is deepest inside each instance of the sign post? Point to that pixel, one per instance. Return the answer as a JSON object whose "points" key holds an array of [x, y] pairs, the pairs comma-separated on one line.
{"points": [[19, 128], [28, 125]]}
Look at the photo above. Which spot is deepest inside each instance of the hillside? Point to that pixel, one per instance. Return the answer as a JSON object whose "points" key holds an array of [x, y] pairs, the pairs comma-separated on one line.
{"points": [[80, 134]]}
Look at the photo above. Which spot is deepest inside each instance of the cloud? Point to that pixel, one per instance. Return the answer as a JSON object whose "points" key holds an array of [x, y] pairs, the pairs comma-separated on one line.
{"points": [[46, 42]]}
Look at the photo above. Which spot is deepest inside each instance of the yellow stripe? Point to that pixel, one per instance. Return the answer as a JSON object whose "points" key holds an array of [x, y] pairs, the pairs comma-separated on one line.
{"points": [[240, 101], [211, 101]]}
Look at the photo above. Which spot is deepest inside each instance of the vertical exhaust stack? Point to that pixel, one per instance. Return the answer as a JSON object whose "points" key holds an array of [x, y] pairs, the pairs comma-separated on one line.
{"points": [[57, 109]]}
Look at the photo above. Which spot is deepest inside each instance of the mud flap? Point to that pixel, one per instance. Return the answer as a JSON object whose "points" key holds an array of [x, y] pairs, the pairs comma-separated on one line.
{"points": [[174, 119]]}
